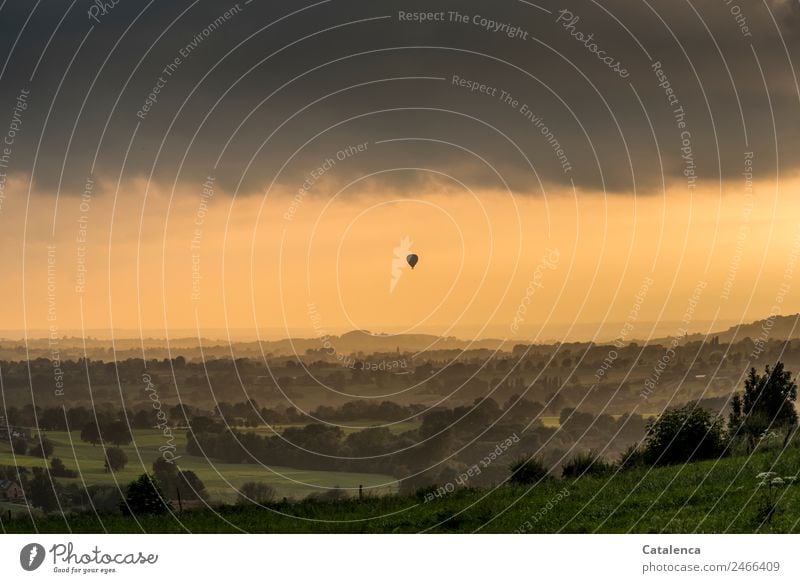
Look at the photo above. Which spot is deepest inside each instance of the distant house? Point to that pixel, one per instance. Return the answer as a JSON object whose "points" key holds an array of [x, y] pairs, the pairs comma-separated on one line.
{"points": [[10, 490], [8, 431], [19, 432]]}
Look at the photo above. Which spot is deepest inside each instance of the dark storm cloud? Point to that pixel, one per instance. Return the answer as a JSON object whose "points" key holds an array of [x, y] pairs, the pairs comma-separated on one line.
{"points": [[352, 76]]}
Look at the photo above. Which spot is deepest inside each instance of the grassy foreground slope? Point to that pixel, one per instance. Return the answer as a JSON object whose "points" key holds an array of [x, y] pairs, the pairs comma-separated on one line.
{"points": [[712, 497]]}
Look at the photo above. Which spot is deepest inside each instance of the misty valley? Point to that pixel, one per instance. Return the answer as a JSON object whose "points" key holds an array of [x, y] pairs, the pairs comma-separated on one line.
{"points": [[102, 435]]}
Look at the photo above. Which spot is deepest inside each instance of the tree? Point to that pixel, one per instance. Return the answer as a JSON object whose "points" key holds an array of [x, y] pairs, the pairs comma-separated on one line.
{"points": [[90, 433], [118, 433], [189, 486], [43, 449], [41, 491], [682, 435], [144, 496], [78, 416], [19, 446], [59, 470], [257, 492], [767, 402], [167, 475], [202, 424], [53, 419], [176, 484], [115, 459], [142, 419], [372, 441]]}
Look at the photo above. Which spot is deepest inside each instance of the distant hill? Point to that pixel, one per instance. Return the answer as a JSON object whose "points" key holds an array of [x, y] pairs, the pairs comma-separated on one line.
{"points": [[777, 328], [364, 341], [350, 343], [347, 344]]}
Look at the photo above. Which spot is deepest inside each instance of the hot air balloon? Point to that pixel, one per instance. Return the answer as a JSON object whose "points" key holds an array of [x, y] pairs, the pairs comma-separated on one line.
{"points": [[412, 260]]}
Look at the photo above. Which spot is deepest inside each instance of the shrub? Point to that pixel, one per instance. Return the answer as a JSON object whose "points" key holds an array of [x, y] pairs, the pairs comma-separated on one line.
{"points": [[42, 491], [115, 459], [586, 464], [106, 499], [59, 470], [528, 471], [19, 446], [257, 492], [42, 448], [419, 484], [335, 493], [143, 496], [682, 435], [633, 457]]}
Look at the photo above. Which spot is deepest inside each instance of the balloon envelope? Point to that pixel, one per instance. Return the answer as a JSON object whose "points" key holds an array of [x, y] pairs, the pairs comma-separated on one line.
{"points": [[412, 260]]}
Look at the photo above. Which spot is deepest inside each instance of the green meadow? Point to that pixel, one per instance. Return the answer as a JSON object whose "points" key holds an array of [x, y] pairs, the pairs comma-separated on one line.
{"points": [[347, 427], [220, 479], [704, 497]]}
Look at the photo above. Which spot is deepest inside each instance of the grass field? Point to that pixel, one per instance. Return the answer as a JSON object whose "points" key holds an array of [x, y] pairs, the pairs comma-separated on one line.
{"points": [[219, 478], [555, 422], [352, 427], [710, 497]]}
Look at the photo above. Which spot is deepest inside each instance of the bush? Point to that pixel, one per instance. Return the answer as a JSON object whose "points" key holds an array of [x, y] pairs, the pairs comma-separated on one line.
{"points": [[115, 459], [106, 499], [335, 493], [633, 457], [586, 464], [329, 495], [419, 484], [42, 491], [144, 496], [528, 471], [59, 470], [19, 446], [43, 448], [257, 492], [681, 435]]}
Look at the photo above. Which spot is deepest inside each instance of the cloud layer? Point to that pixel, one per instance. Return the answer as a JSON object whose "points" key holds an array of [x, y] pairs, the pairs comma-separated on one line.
{"points": [[263, 94]]}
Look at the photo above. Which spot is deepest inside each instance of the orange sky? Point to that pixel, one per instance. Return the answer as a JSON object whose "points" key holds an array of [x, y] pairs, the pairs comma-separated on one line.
{"points": [[478, 253]]}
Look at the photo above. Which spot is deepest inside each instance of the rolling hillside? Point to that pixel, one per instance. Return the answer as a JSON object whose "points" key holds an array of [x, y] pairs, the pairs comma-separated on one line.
{"points": [[705, 497]]}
